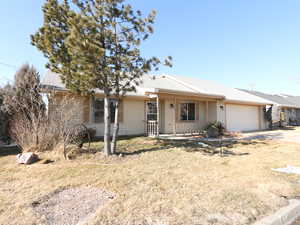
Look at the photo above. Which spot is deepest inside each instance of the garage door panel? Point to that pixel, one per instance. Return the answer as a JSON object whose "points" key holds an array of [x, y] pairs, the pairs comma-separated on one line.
{"points": [[242, 117]]}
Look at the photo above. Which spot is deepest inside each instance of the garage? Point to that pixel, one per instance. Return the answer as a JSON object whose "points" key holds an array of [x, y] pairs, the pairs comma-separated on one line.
{"points": [[242, 117]]}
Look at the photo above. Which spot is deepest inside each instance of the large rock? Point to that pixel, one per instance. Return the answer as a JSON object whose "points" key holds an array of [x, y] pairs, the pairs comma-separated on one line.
{"points": [[27, 158]]}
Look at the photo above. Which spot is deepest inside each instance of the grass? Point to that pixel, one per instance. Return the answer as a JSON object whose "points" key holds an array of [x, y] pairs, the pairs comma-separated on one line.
{"points": [[160, 183]]}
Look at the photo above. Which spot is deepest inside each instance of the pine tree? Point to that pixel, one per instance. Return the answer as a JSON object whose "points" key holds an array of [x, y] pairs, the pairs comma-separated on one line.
{"points": [[95, 44]]}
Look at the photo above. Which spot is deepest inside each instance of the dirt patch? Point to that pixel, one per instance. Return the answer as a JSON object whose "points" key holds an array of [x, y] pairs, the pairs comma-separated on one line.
{"points": [[297, 222], [71, 206]]}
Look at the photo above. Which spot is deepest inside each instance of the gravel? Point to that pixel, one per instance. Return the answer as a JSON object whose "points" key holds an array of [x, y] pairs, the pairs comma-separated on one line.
{"points": [[297, 222], [73, 206]]}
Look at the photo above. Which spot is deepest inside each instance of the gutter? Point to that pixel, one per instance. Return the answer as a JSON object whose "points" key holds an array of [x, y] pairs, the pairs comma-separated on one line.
{"points": [[248, 102], [168, 91]]}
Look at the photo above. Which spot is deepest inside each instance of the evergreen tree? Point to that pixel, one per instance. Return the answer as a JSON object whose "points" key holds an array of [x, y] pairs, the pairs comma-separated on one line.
{"points": [[95, 44]]}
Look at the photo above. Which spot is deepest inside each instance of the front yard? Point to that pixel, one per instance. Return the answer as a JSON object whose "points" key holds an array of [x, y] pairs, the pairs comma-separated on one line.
{"points": [[160, 183]]}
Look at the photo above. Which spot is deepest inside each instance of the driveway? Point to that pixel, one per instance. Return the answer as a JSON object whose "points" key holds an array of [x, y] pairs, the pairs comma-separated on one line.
{"points": [[290, 134]]}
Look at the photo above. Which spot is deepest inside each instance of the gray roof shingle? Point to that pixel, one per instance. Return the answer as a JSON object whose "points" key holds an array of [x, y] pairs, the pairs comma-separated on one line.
{"points": [[289, 101], [231, 94], [176, 84]]}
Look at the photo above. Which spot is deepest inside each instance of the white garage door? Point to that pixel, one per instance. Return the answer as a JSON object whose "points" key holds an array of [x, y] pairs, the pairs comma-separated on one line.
{"points": [[242, 118]]}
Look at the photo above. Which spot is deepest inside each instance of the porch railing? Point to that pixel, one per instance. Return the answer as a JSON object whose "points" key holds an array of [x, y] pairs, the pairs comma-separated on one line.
{"points": [[152, 128]]}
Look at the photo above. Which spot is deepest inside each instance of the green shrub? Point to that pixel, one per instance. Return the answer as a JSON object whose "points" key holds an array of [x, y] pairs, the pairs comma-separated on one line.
{"points": [[216, 125], [81, 134]]}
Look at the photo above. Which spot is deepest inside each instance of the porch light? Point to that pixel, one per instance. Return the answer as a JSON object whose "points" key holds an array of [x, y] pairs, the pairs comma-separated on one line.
{"points": [[171, 105], [222, 107]]}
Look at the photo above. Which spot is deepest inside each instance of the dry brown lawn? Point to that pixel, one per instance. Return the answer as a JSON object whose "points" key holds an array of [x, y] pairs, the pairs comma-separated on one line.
{"points": [[159, 183]]}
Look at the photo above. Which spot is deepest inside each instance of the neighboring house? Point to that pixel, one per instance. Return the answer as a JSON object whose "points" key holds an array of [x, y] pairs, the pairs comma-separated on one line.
{"points": [[285, 110], [171, 104], [296, 101]]}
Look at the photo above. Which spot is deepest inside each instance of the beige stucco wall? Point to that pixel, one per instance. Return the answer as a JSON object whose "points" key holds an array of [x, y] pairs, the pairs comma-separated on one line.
{"points": [[169, 116], [182, 127], [221, 112], [133, 119], [133, 122], [264, 124], [212, 111]]}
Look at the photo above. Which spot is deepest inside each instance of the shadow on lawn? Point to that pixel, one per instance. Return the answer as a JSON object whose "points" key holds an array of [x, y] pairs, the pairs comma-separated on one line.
{"points": [[264, 137], [224, 148], [144, 150], [134, 146], [11, 150], [286, 128]]}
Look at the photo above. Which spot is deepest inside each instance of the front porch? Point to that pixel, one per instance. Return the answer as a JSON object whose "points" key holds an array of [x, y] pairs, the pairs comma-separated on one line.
{"points": [[175, 114]]}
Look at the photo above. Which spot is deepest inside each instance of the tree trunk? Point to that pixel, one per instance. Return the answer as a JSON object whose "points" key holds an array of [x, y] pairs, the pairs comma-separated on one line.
{"points": [[107, 147], [116, 128]]}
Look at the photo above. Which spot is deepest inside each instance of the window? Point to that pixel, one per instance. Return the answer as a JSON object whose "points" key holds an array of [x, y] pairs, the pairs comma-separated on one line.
{"points": [[99, 110], [151, 111], [112, 105], [187, 111]]}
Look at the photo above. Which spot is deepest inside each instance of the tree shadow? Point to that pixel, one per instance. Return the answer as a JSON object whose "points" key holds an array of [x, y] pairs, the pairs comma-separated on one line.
{"points": [[286, 128], [9, 150], [222, 147], [263, 137], [220, 152], [140, 151], [210, 148]]}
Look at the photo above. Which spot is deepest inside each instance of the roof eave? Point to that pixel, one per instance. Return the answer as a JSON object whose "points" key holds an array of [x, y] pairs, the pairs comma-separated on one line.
{"points": [[289, 106], [169, 91], [248, 102]]}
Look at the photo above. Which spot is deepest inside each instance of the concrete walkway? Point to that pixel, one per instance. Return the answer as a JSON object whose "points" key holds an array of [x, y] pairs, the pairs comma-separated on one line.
{"points": [[290, 134]]}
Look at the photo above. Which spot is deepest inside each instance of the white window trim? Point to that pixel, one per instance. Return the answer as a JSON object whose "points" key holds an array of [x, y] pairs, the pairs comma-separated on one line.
{"points": [[149, 101]]}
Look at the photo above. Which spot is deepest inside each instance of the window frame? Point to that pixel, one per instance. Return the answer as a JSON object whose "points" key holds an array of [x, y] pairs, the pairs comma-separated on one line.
{"points": [[112, 115], [187, 111], [152, 113]]}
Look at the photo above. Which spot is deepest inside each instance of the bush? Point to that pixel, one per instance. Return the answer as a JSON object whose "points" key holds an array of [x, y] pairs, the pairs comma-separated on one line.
{"points": [[33, 126], [24, 107], [215, 129], [80, 134]]}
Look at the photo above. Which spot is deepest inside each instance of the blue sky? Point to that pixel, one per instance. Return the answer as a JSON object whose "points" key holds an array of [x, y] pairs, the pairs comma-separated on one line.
{"points": [[245, 44]]}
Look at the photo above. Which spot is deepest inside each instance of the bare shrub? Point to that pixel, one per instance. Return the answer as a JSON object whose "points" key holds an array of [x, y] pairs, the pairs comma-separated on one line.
{"points": [[58, 129], [24, 106], [27, 132], [65, 121], [31, 125]]}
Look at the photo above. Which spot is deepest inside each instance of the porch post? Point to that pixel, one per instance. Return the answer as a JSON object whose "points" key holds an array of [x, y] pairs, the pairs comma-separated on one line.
{"points": [[260, 117], [158, 114], [175, 107], [206, 112]]}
